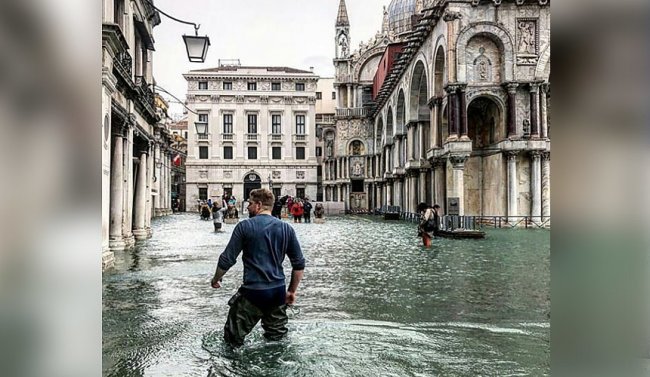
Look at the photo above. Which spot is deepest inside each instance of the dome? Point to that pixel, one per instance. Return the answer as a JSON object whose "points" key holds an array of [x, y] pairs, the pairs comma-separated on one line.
{"points": [[399, 15]]}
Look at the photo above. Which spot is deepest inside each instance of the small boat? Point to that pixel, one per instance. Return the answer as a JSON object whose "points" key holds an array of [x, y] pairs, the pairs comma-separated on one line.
{"points": [[461, 233]]}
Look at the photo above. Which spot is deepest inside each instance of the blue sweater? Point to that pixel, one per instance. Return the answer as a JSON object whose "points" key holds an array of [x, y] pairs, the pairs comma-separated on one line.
{"points": [[265, 241]]}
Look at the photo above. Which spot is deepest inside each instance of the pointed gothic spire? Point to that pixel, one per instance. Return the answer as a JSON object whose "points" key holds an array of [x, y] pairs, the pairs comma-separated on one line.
{"points": [[342, 19]]}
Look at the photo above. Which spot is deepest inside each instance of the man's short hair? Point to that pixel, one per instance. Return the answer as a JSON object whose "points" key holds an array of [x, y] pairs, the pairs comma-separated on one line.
{"points": [[265, 196]]}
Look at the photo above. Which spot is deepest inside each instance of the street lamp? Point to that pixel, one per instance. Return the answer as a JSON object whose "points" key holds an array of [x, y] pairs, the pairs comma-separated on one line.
{"points": [[201, 128], [196, 46]]}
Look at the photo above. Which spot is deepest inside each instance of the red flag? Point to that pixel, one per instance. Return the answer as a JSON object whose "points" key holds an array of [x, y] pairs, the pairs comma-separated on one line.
{"points": [[177, 160]]}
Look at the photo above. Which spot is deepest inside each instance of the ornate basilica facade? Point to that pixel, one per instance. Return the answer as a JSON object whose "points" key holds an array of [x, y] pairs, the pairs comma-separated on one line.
{"points": [[448, 104]]}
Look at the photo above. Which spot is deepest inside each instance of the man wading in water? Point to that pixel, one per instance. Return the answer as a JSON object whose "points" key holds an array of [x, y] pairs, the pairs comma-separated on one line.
{"points": [[265, 241]]}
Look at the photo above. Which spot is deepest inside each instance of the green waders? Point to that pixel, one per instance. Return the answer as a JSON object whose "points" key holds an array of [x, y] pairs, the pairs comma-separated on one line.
{"points": [[243, 316]]}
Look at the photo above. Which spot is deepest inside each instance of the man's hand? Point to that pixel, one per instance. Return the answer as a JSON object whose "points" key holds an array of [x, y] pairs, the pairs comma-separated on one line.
{"points": [[215, 283], [291, 298]]}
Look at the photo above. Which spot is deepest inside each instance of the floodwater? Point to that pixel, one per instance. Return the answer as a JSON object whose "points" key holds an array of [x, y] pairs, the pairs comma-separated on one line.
{"points": [[373, 302]]}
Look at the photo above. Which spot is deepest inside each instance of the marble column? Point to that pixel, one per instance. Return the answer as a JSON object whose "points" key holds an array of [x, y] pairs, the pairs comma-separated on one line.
{"points": [[422, 186], [127, 221], [544, 110], [116, 241], [421, 142], [397, 194], [389, 193], [463, 112], [409, 142], [349, 96], [513, 192], [157, 184], [370, 203], [546, 185], [140, 209], [433, 119], [149, 204], [512, 109], [536, 185], [439, 166], [534, 110], [458, 181], [452, 118]]}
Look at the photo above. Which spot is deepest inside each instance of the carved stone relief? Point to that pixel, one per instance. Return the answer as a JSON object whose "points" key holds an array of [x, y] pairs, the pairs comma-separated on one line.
{"points": [[300, 174], [484, 60], [527, 41], [357, 166], [193, 85], [265, 85], [239, 85], [203, 174], [213, 85], [227, 174], [277, 174]]}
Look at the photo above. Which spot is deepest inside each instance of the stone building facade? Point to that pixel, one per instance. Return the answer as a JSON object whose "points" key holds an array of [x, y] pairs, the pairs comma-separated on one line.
{"points": [[135, 180], [261, 132], [461, 118]]}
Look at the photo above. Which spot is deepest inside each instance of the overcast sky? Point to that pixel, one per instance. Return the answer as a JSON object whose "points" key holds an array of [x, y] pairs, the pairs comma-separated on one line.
{"points": [[293, 33]]}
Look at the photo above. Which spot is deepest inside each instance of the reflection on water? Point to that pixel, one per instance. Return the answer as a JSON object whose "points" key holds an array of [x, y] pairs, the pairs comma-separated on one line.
{"points": [[373, 302]]}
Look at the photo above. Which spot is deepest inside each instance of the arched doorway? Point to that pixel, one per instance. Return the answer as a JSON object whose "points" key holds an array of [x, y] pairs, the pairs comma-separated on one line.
{"points": [[484, 123], [252, 181]]}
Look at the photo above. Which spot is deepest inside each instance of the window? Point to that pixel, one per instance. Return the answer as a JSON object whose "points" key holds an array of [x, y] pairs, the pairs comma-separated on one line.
{"points": [[227, 153], [333, 95], [300, 87], [252, 86], [203, 118], [227, 123], [203, 193], [227, 85], [319, 152], [185, 135], [276, 87], [276, 124], [252, 153], [276, 192], [300, 124], [203, 153], [319, 95], [277, 153], [203, 85], [252, 123], [300, 153], [300, 192]]}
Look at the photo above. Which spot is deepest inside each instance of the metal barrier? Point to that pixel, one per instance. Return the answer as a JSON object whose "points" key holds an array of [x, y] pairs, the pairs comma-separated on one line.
{"points": [[451, 222]]}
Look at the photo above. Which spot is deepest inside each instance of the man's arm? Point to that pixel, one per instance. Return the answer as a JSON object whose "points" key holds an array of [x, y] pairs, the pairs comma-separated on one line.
{"points": [[216, 279], [229, 256], [296, 277]]}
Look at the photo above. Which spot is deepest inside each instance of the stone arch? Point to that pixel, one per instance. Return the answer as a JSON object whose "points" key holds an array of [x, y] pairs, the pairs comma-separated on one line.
{"points": [[400, 114], [390, 126], [543, 68], [439, 61], [486, 121], [497, 34], [419, 97], [365, 59], [352, 145], [379, 132], [439, 73]]}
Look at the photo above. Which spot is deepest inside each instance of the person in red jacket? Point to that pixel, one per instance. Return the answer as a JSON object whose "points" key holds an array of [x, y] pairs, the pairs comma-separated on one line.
{"points": [[297, 211]]}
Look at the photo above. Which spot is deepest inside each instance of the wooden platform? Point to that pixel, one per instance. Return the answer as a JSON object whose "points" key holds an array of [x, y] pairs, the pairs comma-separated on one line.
{"points": [[230, 221], [319, 221], [459, 233]]}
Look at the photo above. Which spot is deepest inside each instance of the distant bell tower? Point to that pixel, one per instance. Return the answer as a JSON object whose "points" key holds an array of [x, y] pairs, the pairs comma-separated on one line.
{"points": [[342, 38]]}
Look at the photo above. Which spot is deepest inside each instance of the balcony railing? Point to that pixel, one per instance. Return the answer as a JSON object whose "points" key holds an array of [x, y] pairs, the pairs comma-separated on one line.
{"points": [[299, 138], [320, 118], [276, 137], [352, 112], [227, 137], [252, 137], [124, 65], [202, 137], [145, 91]]}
